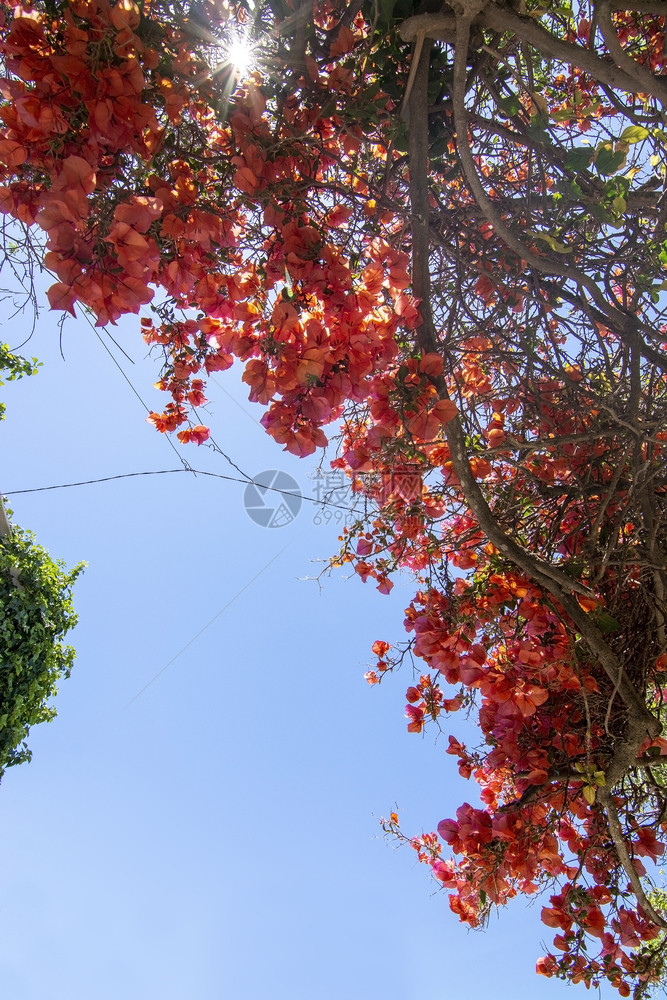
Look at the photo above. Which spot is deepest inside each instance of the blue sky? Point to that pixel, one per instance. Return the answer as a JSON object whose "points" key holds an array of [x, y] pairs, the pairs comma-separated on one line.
{"points": [[217, 836]]}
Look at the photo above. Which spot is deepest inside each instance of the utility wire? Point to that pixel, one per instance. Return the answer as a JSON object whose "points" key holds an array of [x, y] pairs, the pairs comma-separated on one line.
{"points": [[145, 405], [184, 462], [207, 625], [186, 467], [89, 482], [170, 472], [213, 444], [235, 401]]}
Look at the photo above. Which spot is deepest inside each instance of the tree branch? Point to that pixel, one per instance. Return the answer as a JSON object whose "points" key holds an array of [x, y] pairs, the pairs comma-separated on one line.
{"points": [[616, 832], [5, 526], [551, 578], [501, 19], [646, 81], [623, 323]]}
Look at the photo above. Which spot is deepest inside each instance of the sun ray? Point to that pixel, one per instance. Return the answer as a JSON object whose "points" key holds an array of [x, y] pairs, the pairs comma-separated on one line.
{"points": [[239, 53]]}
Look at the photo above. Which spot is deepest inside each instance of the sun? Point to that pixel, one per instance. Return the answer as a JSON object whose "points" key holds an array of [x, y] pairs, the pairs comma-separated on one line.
{"points": [[239, 53]]}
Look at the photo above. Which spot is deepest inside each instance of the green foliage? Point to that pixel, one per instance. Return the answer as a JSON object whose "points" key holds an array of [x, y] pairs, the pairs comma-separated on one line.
{"points": [[13, 366], [35, 613]]}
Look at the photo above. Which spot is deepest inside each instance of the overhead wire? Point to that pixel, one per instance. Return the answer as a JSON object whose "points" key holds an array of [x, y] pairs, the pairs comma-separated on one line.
{"points": [[168, 472], [204, 627], [186, 465], [183, 461], [246, 480]]}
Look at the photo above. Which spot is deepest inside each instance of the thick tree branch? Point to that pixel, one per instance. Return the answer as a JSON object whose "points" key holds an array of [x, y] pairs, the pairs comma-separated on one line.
{"points": [[606, 798], [551, 578], [5, 526], [646, 81], [501, 19], [623, 323]]}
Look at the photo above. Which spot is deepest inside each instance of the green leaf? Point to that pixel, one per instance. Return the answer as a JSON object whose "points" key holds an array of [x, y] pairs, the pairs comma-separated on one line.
{"points": [[634, 133], [589, 794], [554, 244], [536, 129], [579, 158], [386, 10], [607, 159], [509, 105], [440, 146], [605, 622]]}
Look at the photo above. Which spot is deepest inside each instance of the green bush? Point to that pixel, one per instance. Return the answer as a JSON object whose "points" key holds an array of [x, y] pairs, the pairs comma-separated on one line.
{"points": [[35, 613], [13, 366]]}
